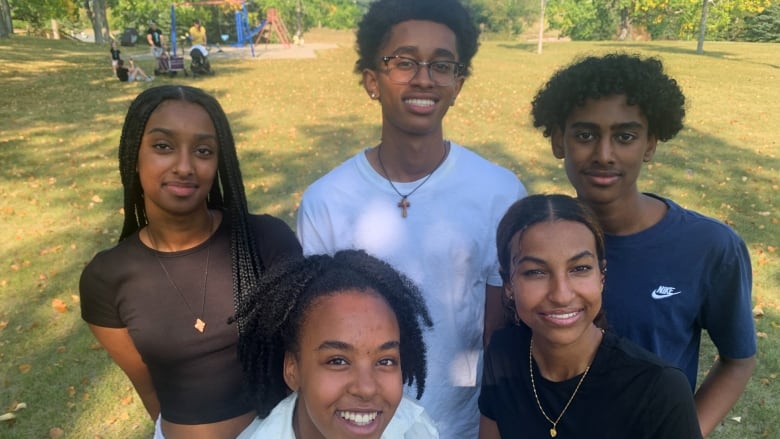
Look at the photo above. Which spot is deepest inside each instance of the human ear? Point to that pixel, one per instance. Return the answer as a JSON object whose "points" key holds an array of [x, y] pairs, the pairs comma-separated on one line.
{"points": [[290, 372], [370, 84], [652, 141], [556, 141]]}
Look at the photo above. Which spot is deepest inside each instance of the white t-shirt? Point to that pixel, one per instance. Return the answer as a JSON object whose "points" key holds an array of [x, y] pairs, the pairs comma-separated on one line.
{"points": [[446, 245], [409, 422]]}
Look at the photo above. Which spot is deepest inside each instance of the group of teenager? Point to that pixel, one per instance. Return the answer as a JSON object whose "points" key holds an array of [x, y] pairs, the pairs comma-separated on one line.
{"points": [[426, 294]]}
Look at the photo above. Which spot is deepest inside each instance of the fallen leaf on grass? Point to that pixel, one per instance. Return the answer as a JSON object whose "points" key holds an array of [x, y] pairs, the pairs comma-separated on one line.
{"points": [[126, 400], [59, 305], [56, 433], [7, 417], [760, 334], [24, 368], [71, 390], [758, 311], [75, 298], [737, 418]]}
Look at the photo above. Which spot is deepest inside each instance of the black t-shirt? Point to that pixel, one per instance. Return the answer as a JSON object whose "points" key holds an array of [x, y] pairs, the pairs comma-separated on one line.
{"points": [[156, 34], [197, 376], [122, 73], [628, 393]]}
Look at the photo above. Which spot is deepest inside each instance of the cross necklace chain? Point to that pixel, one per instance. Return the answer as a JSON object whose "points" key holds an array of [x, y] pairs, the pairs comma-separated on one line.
{"points": [[199, 325], [404, 203]]}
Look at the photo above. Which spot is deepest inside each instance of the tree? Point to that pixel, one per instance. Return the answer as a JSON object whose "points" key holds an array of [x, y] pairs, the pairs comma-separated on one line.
{"points": [[764, 27], [702, 26], [96, 11], [6, 24]]}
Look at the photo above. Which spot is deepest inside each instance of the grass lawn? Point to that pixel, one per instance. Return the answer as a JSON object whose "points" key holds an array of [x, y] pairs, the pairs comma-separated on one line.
{"points": [[60, 197]]}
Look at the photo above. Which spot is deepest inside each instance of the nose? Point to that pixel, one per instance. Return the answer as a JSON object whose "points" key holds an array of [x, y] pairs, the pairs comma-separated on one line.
{"points": [[560, 292], [364, 382], [183, 165], [604, 150], [425, 79]]}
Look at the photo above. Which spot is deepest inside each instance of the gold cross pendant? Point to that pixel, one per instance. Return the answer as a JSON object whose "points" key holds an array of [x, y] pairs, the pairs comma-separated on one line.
{"points": [[404, 204], [200, 325]]}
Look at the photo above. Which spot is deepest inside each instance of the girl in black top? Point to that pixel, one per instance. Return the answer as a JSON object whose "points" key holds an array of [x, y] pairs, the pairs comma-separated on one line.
{"points": [[556, 372]]}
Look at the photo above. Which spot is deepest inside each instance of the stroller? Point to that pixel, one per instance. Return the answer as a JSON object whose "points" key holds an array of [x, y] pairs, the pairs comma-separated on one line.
{"points": [[170, 65], [200, 61]]}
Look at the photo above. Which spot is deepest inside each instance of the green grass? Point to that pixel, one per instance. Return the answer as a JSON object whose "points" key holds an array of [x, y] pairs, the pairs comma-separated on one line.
{"points": [[295, 119]]}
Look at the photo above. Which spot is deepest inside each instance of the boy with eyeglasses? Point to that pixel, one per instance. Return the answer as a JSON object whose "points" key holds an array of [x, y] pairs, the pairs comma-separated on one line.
{"points": [[426, 205], [672, 272]]}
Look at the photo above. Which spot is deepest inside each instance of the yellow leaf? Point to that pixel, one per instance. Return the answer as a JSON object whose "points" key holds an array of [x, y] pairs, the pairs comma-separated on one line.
{"points": [[24, 368]]}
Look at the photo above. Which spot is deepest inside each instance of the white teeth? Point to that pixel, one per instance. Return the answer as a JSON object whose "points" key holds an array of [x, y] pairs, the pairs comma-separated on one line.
{"points": [[420, 102], [360, 419], [562, 316]]}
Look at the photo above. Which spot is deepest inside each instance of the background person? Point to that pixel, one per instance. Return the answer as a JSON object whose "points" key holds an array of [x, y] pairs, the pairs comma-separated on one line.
{"points": [[198, 33], [155, 39], [160, 301], [130, 73], [672, 272], [567, 376], [423, 203], [344, 334]]}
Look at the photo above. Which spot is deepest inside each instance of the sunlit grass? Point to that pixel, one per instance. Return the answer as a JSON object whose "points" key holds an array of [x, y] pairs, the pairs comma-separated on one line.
{"points": [[295, 119]]}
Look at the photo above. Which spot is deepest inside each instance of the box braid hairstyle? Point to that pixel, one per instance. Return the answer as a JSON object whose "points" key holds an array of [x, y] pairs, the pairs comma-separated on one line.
{"points": [[643, 81], [536, 209], [375, 28], [227, 193], [273, 324]]}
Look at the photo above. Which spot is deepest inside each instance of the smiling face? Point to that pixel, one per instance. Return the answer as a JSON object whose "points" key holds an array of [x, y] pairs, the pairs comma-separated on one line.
{"points": [[418, 107], [177, 158], [348, 369], [555, 280], [604, 144]]}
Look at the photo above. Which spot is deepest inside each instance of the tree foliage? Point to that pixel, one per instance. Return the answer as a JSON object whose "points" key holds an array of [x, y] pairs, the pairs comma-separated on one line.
{"points": [[764, 27], [662, 19]]}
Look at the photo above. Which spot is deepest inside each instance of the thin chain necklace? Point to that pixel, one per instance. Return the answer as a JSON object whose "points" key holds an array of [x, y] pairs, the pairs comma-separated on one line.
{"points": [[199, 325], [553, 430], [404, 203]]}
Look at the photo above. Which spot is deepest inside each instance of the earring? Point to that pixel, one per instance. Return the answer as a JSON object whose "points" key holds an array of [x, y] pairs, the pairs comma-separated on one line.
{"points": [[373, 95]]}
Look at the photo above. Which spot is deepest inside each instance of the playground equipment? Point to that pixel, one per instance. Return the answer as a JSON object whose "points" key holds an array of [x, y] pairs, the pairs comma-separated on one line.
{"points": [[244, 33]]}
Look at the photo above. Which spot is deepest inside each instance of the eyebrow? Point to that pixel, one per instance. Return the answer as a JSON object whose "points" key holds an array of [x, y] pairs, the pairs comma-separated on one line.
{"points": [[342, 346], [412, 50], [615, 127], [168, 132], [580, 255]]}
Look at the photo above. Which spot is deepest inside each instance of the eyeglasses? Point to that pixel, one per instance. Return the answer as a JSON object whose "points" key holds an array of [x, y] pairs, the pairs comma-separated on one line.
{"points": [[401, 70]]}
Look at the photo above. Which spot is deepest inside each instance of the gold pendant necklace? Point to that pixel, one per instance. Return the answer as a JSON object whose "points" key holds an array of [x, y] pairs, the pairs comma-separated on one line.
{"points": [[553, 430], [404, 203], [199, 325]]}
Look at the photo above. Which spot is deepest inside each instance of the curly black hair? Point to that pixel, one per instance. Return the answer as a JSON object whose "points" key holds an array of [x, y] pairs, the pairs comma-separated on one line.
{"points": [[375, 28], [227, 192], [643, 81], [283, 300]]}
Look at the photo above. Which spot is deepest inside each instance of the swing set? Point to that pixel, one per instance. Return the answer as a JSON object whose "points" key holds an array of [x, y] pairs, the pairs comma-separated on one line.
{"points": [[244, 33]]}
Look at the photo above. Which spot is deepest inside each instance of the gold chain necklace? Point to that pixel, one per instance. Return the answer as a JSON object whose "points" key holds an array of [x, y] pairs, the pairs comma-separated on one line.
{"points": [[404, 203], [199, 325], [553, 430]]}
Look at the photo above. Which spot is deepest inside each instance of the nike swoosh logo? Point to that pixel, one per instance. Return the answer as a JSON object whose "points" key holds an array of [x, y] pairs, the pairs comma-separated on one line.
{"points": [[660, 293]]}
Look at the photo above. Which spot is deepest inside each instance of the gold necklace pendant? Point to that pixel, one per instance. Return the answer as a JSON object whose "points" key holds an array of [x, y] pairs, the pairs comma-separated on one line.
{"points": [[553, 432], [200, 325]]}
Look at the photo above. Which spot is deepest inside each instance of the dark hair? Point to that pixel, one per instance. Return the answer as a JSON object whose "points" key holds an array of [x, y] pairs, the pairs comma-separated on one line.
{"points": [[285, 295], [540, 208], [642, 81], [227, 192], [375, 28]]}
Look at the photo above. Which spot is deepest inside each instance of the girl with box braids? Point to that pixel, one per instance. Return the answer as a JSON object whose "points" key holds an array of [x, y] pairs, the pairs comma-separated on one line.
{"points": [[163, 301], [228, 194]]}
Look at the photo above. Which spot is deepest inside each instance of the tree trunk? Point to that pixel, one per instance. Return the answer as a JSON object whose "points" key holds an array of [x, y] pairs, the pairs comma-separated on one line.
{"points": [[6, 25], [541, 29], [96, 11], [702, 26]]}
